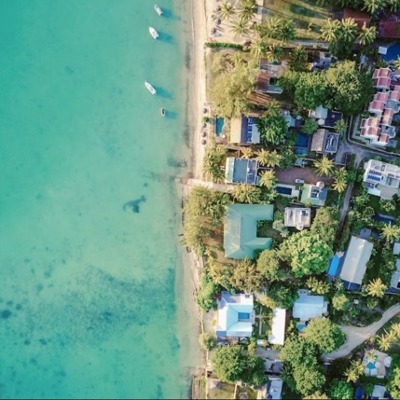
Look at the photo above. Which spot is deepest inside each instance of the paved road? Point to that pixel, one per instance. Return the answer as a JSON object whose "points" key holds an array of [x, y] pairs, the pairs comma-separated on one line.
{"points": [[355, 336]]}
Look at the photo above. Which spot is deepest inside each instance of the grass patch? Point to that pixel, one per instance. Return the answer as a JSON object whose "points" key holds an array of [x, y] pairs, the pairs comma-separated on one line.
{"points": [[308, 15], [224, 391]]}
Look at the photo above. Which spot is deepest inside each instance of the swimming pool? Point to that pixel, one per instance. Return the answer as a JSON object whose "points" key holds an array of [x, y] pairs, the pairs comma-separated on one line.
{"points": [[219, 124], [387, 219], [302, 140], [300, 150], [283, 190]]}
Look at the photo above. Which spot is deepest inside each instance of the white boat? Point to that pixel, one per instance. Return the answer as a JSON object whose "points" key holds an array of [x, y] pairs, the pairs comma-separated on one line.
{"points": [[150, 88], [153, 32], [163, 112], [158, 9]]}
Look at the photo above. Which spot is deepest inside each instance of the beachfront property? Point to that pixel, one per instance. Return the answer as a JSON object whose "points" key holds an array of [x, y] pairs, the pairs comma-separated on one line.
{"points": [[381, 179], [325, 118], [324, 142], [278, 326], [240, 229], [314, 194], [244, 130], [308, 306], [235, 316], [298, 218], [378, 129], [241, 170], [355, 263]]}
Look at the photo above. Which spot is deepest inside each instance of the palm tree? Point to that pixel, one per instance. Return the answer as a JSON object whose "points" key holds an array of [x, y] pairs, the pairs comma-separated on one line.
{"points": [[390, 233], [273, 52], [324, 166], [246, 10], [272, 27], [340, 126], [258, 48], [240, 28], [393, 4], [330, 30], [246, 193], [340, 177], [268, 158], [376, 288], [247, 152], [354, 372], [273, 109], [367, 35], [287, 31], [227, 10], [348, 30], [385, 342], [268, 179], [372, 6], [298, 59], [395, 329], [396, 63]]}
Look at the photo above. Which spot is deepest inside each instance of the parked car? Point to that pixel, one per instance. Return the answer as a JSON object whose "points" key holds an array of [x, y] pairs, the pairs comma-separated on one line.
{"points": [[297, 180]]}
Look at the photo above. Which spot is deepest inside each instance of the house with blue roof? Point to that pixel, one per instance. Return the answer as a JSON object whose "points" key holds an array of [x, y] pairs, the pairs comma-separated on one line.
{"points": [[241, 170], [308, 306], [335, 264], [235, 315], [240, 229]]}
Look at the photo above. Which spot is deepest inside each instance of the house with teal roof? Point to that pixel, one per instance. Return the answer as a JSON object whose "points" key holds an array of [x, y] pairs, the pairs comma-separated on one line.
{"points": [[235, 315], [240, 229]]}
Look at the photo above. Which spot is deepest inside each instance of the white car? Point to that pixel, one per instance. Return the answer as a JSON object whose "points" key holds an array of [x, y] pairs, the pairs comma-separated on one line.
{"points": [[297, 180]]}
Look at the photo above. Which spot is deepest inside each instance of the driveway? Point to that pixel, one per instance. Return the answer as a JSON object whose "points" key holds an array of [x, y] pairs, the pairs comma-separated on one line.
{"points": [[355, 336]]}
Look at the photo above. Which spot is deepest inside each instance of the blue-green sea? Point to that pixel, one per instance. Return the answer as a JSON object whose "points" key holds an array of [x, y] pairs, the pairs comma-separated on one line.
{"points": [[92, 299]]}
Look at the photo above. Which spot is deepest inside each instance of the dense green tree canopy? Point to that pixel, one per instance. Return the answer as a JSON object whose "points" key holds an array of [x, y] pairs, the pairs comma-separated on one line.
{"points": [[306, 252], [206, 297], [232, 87], [297, 352], [394, 378], [283, 296], [246, 277], [325, 334], [341, 390], [228, 363], [325, 223], [254, 370], [269, 265], [308, 380]]}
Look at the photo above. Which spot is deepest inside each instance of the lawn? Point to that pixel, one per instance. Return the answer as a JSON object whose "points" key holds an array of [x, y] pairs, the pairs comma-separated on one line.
{"points": [[308, 15], [225, 391]]}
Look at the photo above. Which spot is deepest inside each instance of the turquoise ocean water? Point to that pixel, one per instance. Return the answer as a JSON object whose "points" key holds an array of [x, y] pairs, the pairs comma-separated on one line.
{"points": [[92, 304]]}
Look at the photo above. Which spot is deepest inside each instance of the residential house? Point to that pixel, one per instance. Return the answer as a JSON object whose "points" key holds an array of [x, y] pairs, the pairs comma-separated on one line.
{"points": [[314, 194], [335, 264], [272, 390], [381, 179], [325, 142], [324, 117], [389, 27], [355, 263], [241, 170], [395, 281], [244, 130], [308, 306], [240, 229], [378, 129], [235, 316], [269, 74], [379, 393], [360, 17], [297, 217], [277, 335]]}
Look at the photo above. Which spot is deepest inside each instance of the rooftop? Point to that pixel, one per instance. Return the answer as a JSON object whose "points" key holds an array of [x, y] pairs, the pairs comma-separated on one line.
{"points": [[314, 194], [241, 170], [240, 229], [277, 335], [297, 217], [325, 142], [308, 306]]}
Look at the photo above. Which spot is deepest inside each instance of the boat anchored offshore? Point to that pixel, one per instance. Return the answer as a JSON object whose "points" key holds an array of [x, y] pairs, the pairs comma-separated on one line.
{"points": [[163, 112], [153, 32], [158, 9], [150, 88]]}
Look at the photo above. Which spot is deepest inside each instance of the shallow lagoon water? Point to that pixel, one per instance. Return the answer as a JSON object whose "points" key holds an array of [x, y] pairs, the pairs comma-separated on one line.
{"points": [[90, 303]]}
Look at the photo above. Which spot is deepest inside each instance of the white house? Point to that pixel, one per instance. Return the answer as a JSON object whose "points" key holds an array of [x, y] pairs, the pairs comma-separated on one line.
{"points": [[308, 306], [235, 315], [277, 335]]}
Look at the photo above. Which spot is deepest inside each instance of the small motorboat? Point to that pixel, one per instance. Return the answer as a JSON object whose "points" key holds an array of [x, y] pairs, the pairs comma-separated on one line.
{"points": [[153, 32], [158, 9], [163, 112], [150, 88]]}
